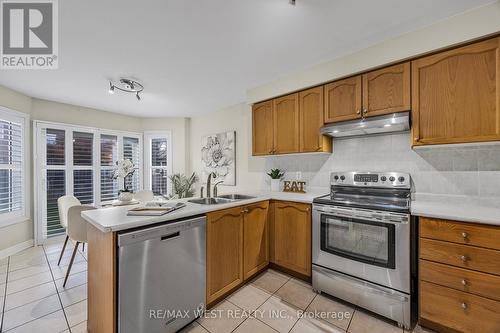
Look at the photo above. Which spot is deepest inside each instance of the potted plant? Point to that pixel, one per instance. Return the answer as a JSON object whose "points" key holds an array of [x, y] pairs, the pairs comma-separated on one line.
{"points": [[276, 176], [182, 186], [124, 168]]}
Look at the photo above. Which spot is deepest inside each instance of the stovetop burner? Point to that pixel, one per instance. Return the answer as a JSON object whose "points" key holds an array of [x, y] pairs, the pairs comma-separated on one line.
{"points": [[390, 191]]}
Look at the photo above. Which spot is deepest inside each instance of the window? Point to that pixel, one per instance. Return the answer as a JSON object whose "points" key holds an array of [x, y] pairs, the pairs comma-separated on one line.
{"points": [[132, 152], [158, 157], [109, 156], [13, 167], [79, 161]]}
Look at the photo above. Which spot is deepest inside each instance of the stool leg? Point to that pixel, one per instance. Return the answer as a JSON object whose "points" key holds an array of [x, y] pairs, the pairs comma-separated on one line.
{"points": [[71, 263], [62, 251]]}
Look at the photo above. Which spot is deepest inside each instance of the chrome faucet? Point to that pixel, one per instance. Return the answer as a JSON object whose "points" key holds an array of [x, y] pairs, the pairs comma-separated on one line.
{"points": [[209, 182], [215, 187]]}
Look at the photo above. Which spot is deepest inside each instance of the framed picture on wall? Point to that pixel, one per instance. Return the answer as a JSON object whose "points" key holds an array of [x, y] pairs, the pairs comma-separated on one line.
{"points": [[218, 155]]}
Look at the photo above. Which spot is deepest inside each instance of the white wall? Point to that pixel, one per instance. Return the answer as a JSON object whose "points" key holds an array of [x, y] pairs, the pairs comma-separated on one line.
{"points": [[470, 25], [238, 118]]}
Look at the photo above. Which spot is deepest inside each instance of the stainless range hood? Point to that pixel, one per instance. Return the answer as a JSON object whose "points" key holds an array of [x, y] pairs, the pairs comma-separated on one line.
{"points": [[396, 122]]}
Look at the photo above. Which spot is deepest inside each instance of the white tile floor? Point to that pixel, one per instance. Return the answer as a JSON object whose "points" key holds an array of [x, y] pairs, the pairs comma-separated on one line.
{"points": [[32, 299]]}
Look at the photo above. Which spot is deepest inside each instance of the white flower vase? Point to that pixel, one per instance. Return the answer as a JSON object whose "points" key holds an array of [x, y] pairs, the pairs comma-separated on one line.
{"points": [[125, 196], [275, 185]]}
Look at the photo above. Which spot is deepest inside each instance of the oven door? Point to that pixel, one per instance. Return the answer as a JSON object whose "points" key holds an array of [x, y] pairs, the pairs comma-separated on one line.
{"points": [[371, 245], [360, 240]]}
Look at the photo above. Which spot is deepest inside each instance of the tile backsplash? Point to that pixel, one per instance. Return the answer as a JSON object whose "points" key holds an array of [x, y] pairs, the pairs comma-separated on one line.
{"points": [[470, 171]]}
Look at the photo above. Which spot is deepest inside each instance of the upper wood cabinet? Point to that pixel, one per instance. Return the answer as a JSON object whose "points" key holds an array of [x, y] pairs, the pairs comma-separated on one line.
{"points": [[375, 93], [311, 112], [286, 124], [387, 90], [255, 239], [456, 95], [224, 252], [291, 236], [263, 128], [343, 100]]}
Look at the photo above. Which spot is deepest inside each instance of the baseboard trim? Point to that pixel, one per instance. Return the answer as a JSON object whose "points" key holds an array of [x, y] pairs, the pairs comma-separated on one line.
{"points": [[16, 248]]}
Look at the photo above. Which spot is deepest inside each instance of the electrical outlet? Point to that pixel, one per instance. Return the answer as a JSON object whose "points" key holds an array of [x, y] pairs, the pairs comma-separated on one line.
{"points": [[298, 175]]}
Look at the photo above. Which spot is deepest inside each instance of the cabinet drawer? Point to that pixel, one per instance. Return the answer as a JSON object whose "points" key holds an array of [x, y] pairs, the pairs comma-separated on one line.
{"points": [[465, 280], [458, 310], [471, 257], [459, 232]]}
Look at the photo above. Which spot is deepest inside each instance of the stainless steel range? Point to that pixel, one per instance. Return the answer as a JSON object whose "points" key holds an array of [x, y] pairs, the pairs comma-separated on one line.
{"points": [[363, 247]]}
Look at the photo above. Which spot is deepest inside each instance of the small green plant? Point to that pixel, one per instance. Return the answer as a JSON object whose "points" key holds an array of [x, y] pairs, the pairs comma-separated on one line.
{"points": [[276, 174], [182, 186]]}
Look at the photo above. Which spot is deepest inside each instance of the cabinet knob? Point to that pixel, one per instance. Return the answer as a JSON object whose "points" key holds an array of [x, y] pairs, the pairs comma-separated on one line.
{"points": [[358, 112], [416, 139], [464, 258], [464, 305], [365, 111], [465, 235], [464, 282]]}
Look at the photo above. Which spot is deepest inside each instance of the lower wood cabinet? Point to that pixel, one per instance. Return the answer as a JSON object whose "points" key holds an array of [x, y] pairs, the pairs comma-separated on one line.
{"points": [[237, 247], [255, 239], [459, 274], [224, 252], [291, 236]]}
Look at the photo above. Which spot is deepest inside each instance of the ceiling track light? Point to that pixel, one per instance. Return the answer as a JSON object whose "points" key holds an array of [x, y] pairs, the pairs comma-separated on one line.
{"points": [[127, 85], [292, 2]]}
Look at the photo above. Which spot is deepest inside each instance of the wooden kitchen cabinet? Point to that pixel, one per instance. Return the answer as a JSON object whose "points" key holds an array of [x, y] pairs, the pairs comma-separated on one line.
{"points": [[311, 110], [343, 100], [224, 252], [455, 95], [262, 128], [387, 90], [459, 276], [286, 124], [255, 239], [291, 236]]}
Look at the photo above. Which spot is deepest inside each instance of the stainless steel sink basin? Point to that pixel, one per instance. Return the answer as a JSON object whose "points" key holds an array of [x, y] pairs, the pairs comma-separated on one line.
{"points": [[210, 201], [236, 196]]}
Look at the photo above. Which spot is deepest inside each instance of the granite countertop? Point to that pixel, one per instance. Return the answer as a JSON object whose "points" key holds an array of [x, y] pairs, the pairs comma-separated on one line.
{"points": [[115, 218], [450, 208]]}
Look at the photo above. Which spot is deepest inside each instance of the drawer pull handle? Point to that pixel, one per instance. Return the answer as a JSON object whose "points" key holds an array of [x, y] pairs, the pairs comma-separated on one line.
{"points": [[464, 258], [464, 282], [464, 305], [465, 235]]}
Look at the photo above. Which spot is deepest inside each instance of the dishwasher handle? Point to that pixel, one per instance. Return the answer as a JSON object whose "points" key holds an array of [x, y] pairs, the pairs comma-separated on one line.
{"points": [[167, 237], [160, 232]]}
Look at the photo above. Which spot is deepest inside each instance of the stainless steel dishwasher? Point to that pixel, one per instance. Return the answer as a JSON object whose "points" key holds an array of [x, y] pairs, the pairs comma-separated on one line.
{"points": [[161, 276]]}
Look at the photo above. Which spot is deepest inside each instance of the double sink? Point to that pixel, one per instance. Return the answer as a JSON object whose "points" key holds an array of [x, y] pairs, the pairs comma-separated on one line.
{"points": [[222, 199]]}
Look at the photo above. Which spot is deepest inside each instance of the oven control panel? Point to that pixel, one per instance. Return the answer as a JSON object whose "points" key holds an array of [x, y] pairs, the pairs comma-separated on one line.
{"points": [[371, 179]]}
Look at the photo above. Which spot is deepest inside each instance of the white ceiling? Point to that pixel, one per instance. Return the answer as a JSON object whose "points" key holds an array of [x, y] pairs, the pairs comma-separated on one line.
{"points": [[197, 56]]}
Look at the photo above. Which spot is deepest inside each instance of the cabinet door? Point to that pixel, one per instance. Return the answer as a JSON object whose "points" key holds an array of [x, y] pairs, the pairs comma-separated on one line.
{"points": [[224, 252], [387, 90], [286, 124], [262, 128], [343, 100], [255, 239], [292, 236], [311, 110], [456, 95]]}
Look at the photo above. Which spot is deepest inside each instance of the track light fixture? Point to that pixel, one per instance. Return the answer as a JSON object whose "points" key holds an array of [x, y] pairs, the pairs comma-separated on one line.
{"points": [[127, 85], [292, 2]]}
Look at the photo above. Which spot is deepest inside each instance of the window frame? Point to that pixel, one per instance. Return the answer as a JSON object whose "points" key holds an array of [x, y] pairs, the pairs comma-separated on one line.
{"points": [[148, 137], [23, 214]]}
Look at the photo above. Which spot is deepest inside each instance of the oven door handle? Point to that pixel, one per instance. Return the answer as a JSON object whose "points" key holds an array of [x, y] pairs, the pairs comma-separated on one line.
{"points": [[369, 287]]}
